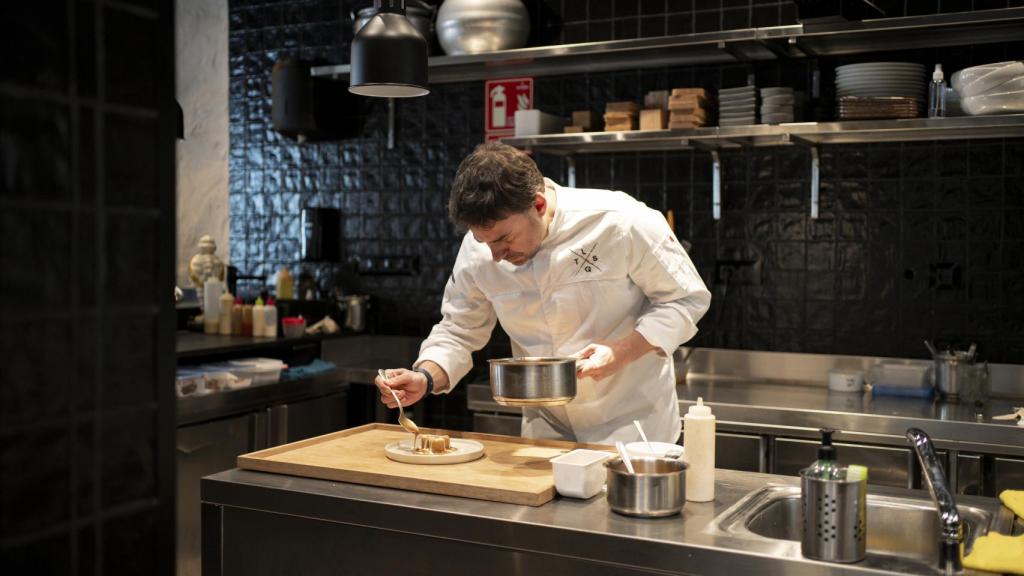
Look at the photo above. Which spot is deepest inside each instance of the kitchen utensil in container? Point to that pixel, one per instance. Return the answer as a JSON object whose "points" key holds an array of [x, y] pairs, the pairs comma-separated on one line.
{"points": [[625, 456], [643, 436], [579, 474], [355, 311], [533, 380], [834, 517], [951, 366], [657, 488]]}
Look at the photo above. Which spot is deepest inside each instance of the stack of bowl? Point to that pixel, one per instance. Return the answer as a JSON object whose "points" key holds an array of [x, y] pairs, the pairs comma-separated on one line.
{"points": [[777, 105], [737, 106], [991, 89]]}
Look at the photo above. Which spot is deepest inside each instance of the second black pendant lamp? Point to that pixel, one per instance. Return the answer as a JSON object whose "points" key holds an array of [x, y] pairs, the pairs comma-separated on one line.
{"points": [[389, 56]]}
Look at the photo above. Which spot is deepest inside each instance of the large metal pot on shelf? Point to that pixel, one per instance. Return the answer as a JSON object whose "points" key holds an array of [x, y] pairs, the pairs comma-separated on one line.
{"points": [[533, 381], [475, 26]]}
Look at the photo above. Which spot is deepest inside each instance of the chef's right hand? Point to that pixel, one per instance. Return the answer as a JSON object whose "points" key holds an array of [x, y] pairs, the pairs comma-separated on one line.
{"points": [[408, 385]]}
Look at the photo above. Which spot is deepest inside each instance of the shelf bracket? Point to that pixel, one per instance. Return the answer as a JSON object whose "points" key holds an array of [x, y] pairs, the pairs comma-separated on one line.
{"points": [[570, 172], [815, 169], [815, 181], [716, 185]]}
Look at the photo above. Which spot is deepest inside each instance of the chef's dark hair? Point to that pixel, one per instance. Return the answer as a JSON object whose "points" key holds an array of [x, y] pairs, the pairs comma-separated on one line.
{"points": [[493, 182]]}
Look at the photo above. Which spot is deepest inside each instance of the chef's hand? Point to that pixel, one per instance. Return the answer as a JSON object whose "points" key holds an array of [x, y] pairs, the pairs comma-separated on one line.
{"points": [[599, 361], [408, 385]]}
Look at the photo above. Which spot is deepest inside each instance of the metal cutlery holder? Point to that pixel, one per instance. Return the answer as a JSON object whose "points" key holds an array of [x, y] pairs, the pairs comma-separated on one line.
{"points": [[834, 519]]}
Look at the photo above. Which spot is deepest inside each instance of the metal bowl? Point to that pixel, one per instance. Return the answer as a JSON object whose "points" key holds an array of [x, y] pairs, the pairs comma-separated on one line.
{"points": [[475, 26], [533, 381], [658, 488]]}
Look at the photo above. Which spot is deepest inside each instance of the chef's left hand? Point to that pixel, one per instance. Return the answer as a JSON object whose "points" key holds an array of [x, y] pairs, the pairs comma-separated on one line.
{"points": [[598, 361]]}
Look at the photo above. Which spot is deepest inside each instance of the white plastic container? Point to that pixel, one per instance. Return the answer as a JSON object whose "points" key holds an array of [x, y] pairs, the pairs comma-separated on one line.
{"points": [[218, 379], [902, 375], [845, 380], [533, 122], [260, 370], [580, 473], [699, 439], [656, 450]]}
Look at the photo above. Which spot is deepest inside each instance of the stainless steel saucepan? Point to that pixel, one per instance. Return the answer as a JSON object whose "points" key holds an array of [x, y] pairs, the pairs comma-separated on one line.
{"points": [[533, 381]]}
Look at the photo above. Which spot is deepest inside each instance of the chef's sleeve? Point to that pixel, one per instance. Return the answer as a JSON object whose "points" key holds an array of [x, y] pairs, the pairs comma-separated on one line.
{"points": [[662, 269], [467, 320]]}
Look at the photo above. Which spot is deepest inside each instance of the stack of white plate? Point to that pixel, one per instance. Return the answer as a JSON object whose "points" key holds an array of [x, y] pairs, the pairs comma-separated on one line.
{"points": [[777, 105], [882, 79], [737, 106], [991, 89]]}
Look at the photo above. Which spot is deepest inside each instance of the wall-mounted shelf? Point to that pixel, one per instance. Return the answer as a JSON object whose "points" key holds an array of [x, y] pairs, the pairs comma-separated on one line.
{"points": [[808, 134], [858, 132], [746, 45]]}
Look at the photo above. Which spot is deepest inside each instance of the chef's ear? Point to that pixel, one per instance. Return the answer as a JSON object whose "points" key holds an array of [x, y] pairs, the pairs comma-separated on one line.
{"points": [[540, 203]]}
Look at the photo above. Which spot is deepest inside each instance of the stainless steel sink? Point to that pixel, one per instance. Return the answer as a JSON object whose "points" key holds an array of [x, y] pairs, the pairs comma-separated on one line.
{"points": [[903, 533]]}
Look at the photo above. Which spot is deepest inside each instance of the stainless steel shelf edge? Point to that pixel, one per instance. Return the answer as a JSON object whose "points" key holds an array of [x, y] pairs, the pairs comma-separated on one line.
{"points": [[854, 132], [744, 45]]}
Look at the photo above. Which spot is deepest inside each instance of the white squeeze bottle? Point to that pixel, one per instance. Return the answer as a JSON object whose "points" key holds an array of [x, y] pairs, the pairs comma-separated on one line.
{"points": [[258, 318], [699, 443], [270, 319]]}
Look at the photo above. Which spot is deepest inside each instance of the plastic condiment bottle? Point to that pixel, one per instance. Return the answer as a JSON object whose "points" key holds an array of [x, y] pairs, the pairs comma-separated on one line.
{"points": [[226, 299], [285, 284], [236, 316], [270, 319], [257, 318], [246, 320], [211, 305], [699, 443]]}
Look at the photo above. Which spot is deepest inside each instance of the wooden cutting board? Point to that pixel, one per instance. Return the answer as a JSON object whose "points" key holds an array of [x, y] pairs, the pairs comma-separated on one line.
{"points": [[514, 470]]}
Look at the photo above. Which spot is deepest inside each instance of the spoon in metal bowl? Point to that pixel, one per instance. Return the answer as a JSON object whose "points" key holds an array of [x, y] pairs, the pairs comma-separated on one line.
{"points": [[405, 422]]}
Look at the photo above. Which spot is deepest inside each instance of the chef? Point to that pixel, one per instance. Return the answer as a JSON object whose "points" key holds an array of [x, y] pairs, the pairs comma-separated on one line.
{"points": [[593, 274]]}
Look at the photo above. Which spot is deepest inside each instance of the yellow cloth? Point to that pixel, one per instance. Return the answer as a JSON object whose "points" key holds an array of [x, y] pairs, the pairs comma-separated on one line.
{"points": [[997, 553], [1014, 500]]}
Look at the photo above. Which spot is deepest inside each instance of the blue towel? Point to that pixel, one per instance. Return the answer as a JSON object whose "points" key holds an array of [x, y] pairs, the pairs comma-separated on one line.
{"points": [[880, 390], [315, 367]]}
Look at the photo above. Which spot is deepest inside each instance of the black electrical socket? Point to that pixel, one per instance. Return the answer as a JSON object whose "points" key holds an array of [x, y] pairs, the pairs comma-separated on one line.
{"points": [[945, 276]]}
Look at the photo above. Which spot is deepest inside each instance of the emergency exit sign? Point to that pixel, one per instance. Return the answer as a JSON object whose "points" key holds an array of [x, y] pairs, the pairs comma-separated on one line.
{"points": [[502, 98]]}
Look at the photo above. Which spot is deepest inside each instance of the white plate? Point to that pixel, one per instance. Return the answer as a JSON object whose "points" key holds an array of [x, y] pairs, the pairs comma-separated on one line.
{"points": [[730, 99], [738, 90], [465, 451], [777, 101], [881, 66]]}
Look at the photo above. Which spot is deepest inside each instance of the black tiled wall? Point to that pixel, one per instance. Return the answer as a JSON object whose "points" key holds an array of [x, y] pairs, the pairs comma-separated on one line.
{"points": [[87, 222], [869, 276]]}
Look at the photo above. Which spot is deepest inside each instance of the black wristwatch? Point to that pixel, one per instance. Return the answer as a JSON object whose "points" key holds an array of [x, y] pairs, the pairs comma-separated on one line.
{"points": [[430, 379]]}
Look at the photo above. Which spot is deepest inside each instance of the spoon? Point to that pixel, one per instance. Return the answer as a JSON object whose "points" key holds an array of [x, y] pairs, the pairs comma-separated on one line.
{"points": [[643, 436], [625, 456], [931, 348], [971, 351], [409, 425]]}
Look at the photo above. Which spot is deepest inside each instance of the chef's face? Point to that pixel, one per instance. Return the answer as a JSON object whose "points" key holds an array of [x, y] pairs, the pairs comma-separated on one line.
{"points": [[517, 237]]}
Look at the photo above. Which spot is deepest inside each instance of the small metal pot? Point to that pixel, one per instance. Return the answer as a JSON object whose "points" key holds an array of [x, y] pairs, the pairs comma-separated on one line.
{"points": [[533, 381], [658, 488]]}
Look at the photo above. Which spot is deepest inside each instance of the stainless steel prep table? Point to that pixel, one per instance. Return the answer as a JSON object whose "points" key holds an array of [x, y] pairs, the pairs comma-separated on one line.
{"points": [[259, 523]]}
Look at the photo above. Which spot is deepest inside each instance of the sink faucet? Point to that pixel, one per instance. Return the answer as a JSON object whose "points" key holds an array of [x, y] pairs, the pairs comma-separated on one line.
{"points": [[949, 517]]}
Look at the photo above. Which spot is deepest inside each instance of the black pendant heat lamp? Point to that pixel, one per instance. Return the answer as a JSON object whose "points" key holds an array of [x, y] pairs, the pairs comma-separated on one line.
{"points": [[389, 56]]}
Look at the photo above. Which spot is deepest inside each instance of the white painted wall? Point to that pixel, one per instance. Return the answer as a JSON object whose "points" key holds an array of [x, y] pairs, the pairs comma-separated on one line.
{"points": [[201, 45]]}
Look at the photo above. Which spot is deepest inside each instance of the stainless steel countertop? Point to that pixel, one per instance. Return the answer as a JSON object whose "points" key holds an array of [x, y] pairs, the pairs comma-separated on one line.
{"points": [[800, 410], [564, 526]]}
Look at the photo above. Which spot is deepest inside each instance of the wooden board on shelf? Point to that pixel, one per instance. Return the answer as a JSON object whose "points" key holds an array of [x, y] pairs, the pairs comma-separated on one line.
{"points": [[513, 470]]}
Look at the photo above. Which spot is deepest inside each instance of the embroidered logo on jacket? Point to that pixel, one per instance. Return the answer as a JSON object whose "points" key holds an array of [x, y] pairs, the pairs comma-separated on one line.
{"points": [[585, 260]]}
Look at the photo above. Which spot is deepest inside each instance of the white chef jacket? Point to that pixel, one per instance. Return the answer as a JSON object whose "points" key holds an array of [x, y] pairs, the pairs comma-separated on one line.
{"points": [[608, 265]]}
